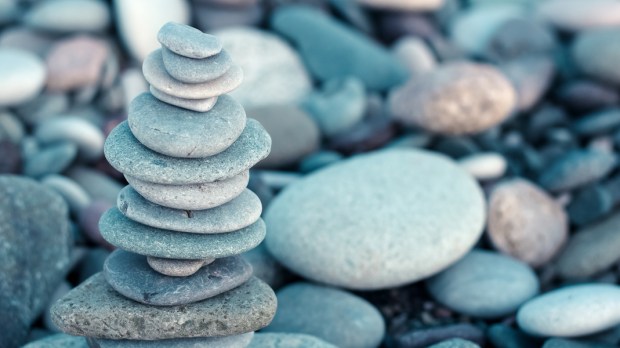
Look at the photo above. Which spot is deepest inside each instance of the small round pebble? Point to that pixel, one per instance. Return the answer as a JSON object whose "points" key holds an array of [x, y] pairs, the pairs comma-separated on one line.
{"points": [[597, 123], [22, 76], [572, 311], [75, 129], [600, 66], [287, 340], [456, 98], [484, 166], [52, 160], [577, 168], [192, 70], [334, 315], [589, 205], [484, 284], [199, 105], [176, 267], [188, 41], [67, 16]]}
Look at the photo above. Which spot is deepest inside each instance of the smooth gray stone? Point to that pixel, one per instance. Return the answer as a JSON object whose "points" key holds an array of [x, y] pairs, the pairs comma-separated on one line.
{"points": [[192, 197], [96, 310], [178, 132], [176, 267], [193, 70], [155, 73], [22, 76], [131, 275], [83, 133], [188, 41], [577, 168], [51, 160], [60, 340], [127, 155], [72, 193], [69, 16], [265, 266], [234, 341], [287, 340], [241, 212], [145, 240], [199, 105], [455, 343], [98, 185]]}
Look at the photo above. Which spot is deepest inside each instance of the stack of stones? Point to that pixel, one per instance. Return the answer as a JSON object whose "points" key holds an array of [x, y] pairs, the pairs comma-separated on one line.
{"points": [[176, 278]]}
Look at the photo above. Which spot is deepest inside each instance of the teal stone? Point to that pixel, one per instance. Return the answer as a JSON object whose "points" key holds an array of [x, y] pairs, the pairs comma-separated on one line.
{"points": [[192, 70]]}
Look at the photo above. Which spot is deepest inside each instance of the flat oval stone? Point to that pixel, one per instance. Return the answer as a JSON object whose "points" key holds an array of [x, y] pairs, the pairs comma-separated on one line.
{"points": [[127, 155], [131, 276], [333, 315], [577, 15], [67, 16], [60, 340], [176, 267], [177, 132], [600, 66], [287, 340], [51, 160], [192, 70], [95, 309], [188, 41], [484, 284], [193, 196], [577, 168], [572, 311], [484, 166], [234, 341], [22, 76], [83, 133], [155, 73], [240, 212], [401, 193], [199, 105], [145, 240], [71, 192]]}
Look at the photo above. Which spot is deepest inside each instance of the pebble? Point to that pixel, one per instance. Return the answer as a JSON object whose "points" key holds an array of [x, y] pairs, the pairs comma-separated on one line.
{"points": [[456, 98], [22, 76], [212, 17], [599, 66], [240, 212], [198, 105], [145, 240], [155, 73], [182, 133], [340, 105], [88, 220], [34, 222], [571, 311], [73, 194], [424, 337], [484, 166], [414, 54], [323, 42], [192, 70], [75, 63], [318, 160], [585, 96], [88, 138], [525, 222], [404, 5], [531, 77], [68, 16], [334, 315], [188, 41], [312, 221], [52, 160], [597, 123], [575, 15], [176, 267], [577, 168], [294, 134], [266, 268], [95, 309], [504, 336], [11, 127], [234, 341], [484, 284], [138, 23], [455, 343], [274, 79], [44, 107], [287, 340], [393, 25], [564, 343], [26, 39], [192, 196], [98, 185], [520, 37], [60, 340], [132, 277], [127, 155], [590, 204], [9, 11], [591, 250]]}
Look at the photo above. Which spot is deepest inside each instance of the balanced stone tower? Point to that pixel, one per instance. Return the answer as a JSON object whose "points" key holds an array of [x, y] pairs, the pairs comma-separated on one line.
{"points": [[176, 279]]}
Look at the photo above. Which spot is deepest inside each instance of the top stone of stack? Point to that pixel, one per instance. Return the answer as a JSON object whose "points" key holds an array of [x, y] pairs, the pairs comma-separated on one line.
{"points": [[188, 42]]}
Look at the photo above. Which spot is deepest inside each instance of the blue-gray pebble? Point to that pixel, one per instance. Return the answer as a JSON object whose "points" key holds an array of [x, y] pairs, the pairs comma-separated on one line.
{"points": [[577, 168], [234, 341], [193, 70], [287, 340], [597, 123], [188, 41], [51, 160]]}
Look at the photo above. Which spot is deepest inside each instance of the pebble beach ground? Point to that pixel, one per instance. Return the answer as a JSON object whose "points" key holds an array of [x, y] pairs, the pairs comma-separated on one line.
{"points": [[402, 173]]}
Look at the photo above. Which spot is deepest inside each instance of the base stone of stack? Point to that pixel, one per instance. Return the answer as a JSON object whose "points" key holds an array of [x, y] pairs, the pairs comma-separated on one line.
{"points": [[236, 341], [96, 310]]}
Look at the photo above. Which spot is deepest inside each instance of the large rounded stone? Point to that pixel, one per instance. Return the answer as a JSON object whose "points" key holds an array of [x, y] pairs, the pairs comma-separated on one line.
{"points": [[378, 220], [456, 98], [333, 315], [128, 156], [178, 132], [485, 285], [22, 76], [95, 309], [241, 212], [145, 240]]}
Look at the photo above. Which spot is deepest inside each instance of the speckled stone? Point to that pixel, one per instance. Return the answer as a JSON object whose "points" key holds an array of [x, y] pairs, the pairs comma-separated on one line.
{"points": [[127, 155], [96, 310], [51, 160], [188, 41], [234, 341], [178, 132], [131, 275], [176, 267], [577, 168], [198, 105], [194, 196], [240, 212], [456, 98], [192, 70], [145, 240], [155, 73], [287, 340]]}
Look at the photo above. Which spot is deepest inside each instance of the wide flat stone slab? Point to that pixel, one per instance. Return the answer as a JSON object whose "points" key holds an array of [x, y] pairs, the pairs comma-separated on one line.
{"points": [[96, 310], [127, 155], [150, 241]]}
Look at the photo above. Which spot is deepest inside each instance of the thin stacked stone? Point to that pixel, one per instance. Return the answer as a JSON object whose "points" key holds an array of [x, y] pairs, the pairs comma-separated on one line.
{"points": [[180, 226]]}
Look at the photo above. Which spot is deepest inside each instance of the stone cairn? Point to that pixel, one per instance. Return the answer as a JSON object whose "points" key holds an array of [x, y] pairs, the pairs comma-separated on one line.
{"points": [[177, 278]]}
